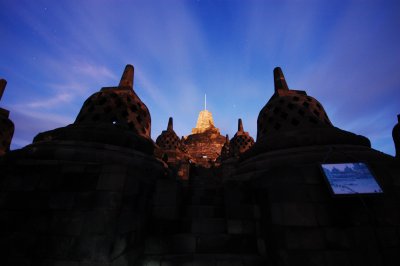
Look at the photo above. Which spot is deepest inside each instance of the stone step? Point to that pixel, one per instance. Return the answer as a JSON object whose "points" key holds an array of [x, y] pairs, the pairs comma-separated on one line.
{"points": [[206, 200], [204, 211], [206, 226], [204, 260], [192, 243]]}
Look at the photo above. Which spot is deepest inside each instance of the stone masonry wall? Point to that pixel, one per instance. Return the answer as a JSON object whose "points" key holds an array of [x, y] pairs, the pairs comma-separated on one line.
{"points": [[67, 203]]}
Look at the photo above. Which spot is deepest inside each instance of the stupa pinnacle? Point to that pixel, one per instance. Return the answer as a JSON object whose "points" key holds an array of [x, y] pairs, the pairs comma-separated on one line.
{"points": [[204, 121]]}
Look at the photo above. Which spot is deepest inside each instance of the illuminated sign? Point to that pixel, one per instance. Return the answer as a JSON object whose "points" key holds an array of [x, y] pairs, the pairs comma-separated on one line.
{"points": [[350, 178]]}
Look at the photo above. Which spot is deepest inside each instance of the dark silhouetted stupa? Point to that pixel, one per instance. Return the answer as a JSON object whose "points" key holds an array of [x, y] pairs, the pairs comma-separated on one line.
{"points": [[101, 192]]}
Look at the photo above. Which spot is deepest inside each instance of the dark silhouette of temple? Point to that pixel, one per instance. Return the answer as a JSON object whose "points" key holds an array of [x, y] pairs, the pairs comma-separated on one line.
{"points": [[101, 192]]}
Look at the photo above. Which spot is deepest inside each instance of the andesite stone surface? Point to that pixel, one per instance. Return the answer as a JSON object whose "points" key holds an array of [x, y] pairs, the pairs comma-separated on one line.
{"points": [[205, 143], [101, 192], [6, 125]]}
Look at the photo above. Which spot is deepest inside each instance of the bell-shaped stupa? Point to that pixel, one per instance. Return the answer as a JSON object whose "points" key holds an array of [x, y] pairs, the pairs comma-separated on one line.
{"points": [[241, 142], [113, 115], [291, 118]]}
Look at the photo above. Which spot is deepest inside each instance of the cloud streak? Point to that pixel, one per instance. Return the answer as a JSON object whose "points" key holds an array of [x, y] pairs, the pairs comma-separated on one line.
{"points": [[345, 54]]}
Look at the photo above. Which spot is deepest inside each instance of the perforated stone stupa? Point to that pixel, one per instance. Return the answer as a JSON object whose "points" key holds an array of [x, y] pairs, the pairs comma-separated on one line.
{"points": [[118, 115], [6, 125], [241, 142], [101, 192]]}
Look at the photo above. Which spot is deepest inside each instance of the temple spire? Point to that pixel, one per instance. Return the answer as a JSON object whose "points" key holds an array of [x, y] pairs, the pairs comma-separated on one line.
{"points": [[127, 77], [279, 80], [170, 124], [240, 125]]}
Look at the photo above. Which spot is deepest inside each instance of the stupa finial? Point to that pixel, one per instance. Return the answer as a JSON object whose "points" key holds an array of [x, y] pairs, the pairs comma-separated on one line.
{"points": [[127, 77], [240, 125], [170, 124], [279, 80]]}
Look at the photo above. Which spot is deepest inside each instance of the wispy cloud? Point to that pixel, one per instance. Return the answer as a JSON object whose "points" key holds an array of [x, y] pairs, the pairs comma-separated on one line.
{"points": [[345, 54]]}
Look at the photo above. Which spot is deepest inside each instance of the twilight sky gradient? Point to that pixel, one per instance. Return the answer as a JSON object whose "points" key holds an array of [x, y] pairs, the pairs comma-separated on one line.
{"points": [[55, 54]]}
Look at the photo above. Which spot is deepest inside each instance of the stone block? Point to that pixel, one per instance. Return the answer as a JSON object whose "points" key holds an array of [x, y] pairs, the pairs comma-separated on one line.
{"points": [[66, 263], [99, 221], [114, 169], [204, 211], [391, 256], [173, 244], [66, 223], [111, 181], [50, 182], [363, 237], [312, 174], [61, 200], [20, 182], [165, 198], [73, 168], [218, 243], [334, 258], [304, 238], [337, 238], [169, 212], [323, 214], [208, 226], [309, 258], [239, 211], [388, 237], [54, 247], [293, 214], [79, 182], [235, 227], [84, 248]]}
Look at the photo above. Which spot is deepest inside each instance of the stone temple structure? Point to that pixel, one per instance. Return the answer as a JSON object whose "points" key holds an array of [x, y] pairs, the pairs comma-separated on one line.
{"points": [[101, 192], [6, 125], [205, 143], [173, 152], [241, 142]]}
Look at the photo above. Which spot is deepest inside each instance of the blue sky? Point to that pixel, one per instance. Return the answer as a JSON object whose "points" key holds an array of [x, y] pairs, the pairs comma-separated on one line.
{"points": [[55, 54]]}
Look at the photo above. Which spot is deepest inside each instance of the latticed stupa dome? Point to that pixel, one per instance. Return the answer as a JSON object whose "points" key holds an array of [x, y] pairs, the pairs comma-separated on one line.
{"points": [[168, 140], [289, 109], [241, 142], [119, 106], [114, 115], [291, 118]]}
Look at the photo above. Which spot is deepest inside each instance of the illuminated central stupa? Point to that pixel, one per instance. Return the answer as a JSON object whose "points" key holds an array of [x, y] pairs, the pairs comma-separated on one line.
{"points": [[205, 143], [204, 122]]}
